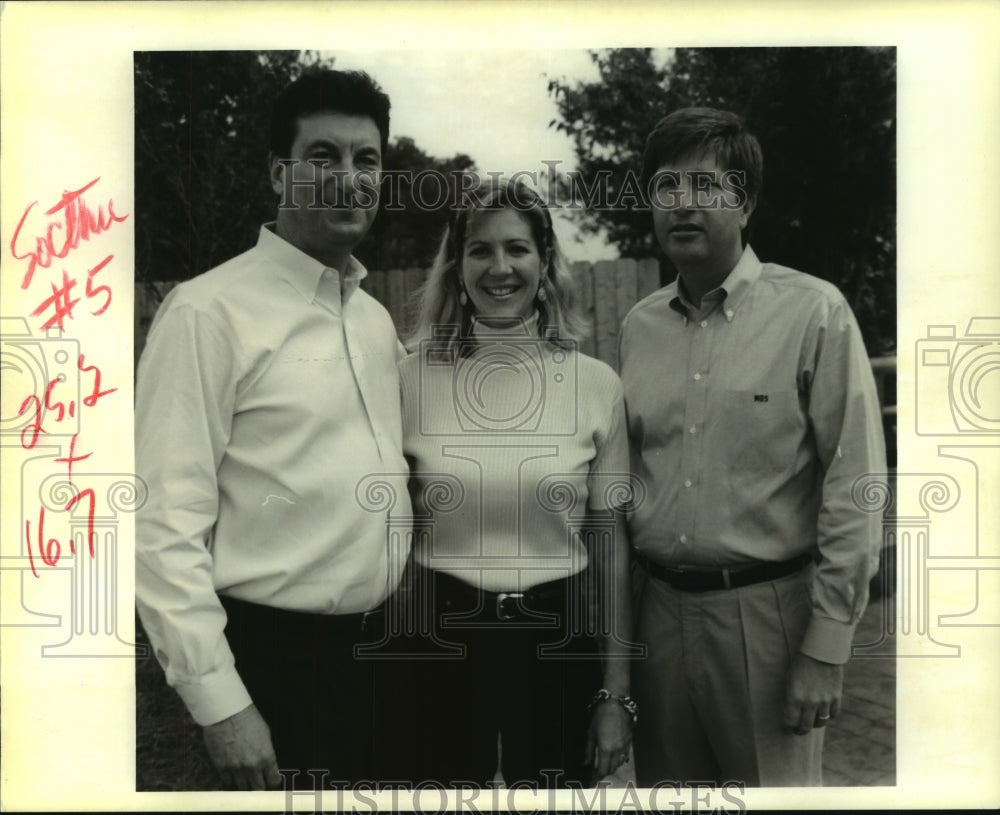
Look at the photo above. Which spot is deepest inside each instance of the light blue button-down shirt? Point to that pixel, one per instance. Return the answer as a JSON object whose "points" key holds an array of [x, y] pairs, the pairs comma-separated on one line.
{"points": [[749, 422]]}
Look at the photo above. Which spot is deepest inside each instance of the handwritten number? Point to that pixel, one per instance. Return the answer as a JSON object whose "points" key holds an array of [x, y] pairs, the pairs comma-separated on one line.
{"points": [[75, 222], [35, 426], [94, 291], [91, 535], [50, 551], [97, 393]]}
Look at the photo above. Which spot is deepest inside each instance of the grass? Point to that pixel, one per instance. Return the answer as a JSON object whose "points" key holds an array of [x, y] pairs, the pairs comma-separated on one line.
{"points": [[170, 753]]}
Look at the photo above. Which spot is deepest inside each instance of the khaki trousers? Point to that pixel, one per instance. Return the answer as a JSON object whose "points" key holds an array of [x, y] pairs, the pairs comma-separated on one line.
{"points": [[712, 688]]}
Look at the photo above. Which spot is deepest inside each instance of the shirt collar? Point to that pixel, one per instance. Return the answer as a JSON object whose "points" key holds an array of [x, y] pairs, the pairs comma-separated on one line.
{"points": [[733, 289], [302, 271]]}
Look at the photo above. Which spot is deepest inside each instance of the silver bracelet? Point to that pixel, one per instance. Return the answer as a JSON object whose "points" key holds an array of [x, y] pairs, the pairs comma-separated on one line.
{"points": [[627, 702]]}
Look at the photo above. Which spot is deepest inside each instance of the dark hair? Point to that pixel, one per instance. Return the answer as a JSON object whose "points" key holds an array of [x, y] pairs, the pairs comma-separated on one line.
{"points": [[694, 130], [325, 90], [439, 299]]}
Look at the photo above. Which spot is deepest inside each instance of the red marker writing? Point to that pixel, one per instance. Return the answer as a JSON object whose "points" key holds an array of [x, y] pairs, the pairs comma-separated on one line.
{"points": [[77, 222]]}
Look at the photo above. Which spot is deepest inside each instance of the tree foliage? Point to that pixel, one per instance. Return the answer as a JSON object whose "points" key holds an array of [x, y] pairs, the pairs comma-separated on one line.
{"points": [[826, 120], [407, 231], [201, 174]]}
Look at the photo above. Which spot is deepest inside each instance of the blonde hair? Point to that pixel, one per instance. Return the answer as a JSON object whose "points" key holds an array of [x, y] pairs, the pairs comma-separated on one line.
{"points": [[438, 299]]}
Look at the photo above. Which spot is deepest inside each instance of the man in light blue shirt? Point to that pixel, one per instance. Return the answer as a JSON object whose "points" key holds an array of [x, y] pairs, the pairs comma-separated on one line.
{"points": [[752, 411]]}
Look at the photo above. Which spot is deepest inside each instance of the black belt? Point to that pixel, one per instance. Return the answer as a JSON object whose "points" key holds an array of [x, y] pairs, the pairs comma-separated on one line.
{"points": [[244, 612], [506, 605], [720, 579]]}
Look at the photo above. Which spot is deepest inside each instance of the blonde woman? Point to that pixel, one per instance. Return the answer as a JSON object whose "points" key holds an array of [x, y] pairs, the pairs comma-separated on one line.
{"points": [[519, 466]]}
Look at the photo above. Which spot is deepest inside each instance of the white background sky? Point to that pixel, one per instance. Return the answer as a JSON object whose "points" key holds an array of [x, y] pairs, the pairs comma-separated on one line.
{"points": [[492, 105]]}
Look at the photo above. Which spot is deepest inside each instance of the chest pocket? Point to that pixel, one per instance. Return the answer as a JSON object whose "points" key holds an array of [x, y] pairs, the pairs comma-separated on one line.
{"points": [[761, 430]]}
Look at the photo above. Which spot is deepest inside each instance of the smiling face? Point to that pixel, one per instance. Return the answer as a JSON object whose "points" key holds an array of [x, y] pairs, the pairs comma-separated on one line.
{"points": [[501, 266], [698, 233], [328, 209]]}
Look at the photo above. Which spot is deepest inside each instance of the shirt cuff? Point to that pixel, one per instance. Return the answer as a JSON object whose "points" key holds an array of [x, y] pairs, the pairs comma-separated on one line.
{"points": [[828, 640], [220, 696]]}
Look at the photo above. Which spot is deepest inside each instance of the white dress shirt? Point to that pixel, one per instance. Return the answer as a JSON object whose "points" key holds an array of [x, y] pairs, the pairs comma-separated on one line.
{"points": [[267, 397]]}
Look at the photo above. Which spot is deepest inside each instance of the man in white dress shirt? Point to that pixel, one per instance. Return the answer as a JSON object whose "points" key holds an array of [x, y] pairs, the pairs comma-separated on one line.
{"points": [[266, 394]]}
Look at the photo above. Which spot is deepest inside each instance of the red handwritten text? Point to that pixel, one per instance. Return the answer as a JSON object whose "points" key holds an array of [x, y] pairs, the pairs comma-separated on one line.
{"points": [[77, 223], [51, 550], [91, 399], [71, 458], [49, 405]]}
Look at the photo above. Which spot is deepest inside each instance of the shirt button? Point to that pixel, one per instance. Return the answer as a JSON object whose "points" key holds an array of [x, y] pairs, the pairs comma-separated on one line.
{"points": [[687, 482], [697, 377], [692, 429], [729, 313], [704, 324], [683, 539]]}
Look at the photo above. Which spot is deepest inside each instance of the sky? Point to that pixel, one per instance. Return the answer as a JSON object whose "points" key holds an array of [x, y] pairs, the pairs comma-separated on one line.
{"points": [[492, 105]]}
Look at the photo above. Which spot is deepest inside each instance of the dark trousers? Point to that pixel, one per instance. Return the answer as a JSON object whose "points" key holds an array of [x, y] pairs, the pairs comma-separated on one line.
{"points": [[528, 678], [314, 695]]}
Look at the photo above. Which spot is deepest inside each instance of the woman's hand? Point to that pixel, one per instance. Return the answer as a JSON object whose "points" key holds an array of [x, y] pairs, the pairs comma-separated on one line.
{"points": [[609, 738]]}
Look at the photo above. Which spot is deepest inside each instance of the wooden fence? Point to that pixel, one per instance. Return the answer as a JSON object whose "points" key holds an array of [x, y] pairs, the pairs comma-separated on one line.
{"points": [[607, 290]]}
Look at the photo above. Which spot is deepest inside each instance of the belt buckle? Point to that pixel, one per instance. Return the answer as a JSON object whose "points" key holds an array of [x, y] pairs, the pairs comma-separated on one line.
{"points": [[502, 597]]}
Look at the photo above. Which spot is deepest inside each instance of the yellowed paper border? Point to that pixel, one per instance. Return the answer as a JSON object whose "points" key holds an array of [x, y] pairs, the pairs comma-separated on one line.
{"points": [[66, 72]]}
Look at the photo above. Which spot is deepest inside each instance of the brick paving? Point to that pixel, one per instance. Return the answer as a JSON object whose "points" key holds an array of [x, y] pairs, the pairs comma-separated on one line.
{"points": [[860, 745]]}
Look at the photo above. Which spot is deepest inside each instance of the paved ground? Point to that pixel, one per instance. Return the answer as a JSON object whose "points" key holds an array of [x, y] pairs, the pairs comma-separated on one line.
{"points": [[861, 743], [860, 746]]}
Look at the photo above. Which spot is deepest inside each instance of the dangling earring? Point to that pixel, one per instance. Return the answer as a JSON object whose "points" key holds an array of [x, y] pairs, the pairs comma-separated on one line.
{"points": [[541, 295], [463, 297]]}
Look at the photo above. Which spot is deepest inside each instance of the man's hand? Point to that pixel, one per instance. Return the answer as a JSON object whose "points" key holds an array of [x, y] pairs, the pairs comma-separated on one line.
{"points": [[813, 693], [608, 739], [240, 748]]}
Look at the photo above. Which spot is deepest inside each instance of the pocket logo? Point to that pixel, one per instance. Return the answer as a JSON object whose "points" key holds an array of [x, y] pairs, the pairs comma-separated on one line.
{"points": [[760, 397]]}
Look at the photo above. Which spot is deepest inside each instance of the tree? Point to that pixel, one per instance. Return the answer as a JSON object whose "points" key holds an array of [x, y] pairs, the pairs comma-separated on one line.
{"points": [[201, 181], [201, 185], [407, 230], [825, 118]]}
